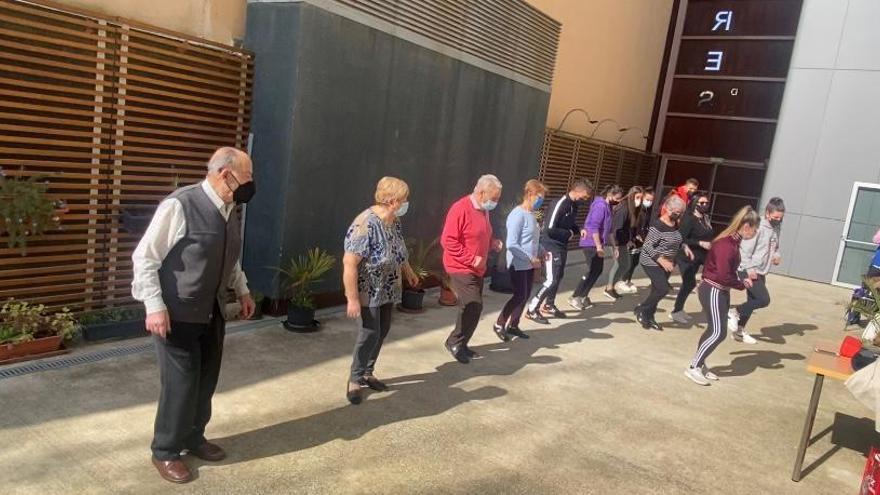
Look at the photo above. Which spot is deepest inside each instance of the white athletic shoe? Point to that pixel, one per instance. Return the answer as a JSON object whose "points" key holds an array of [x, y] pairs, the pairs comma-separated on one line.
{"points": [[681, 317], [708, 374], [733, 321], [696, 375], [746, 338], [632, 289], [577, 303], [621, 288]]}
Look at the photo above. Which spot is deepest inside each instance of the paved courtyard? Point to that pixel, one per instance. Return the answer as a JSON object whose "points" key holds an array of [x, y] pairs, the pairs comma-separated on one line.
{"points": [[592, 404]]}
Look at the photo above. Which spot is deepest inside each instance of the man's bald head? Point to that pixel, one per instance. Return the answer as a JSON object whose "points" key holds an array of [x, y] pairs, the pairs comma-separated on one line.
{"points": [[232, 159]]}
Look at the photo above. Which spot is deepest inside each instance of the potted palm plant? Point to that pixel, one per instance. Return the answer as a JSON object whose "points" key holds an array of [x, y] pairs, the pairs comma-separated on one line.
{"points": [[259, 300], [28, 331], [421, 260], [299, 277]]}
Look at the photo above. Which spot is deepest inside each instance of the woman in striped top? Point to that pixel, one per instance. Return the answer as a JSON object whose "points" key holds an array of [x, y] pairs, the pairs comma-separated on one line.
{"points": [[658, 258], [720, 274]]}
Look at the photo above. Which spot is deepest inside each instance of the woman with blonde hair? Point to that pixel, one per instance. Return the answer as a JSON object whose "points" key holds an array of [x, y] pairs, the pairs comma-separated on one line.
{"points": [[523, 258], [720, 274], [375, 257]]}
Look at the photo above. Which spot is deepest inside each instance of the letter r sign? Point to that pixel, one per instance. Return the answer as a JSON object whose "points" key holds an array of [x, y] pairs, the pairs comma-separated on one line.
{"points": [[723, 19]]}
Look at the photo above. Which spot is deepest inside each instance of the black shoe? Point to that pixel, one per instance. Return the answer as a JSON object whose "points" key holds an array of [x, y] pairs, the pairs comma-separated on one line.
{"points": [[501, 332], [516, 332], [374, 383], [554, 311], [653, 325], [536, 317], [354, 396], [472, 354], [457, 352], [641, 319], [612, 294]]}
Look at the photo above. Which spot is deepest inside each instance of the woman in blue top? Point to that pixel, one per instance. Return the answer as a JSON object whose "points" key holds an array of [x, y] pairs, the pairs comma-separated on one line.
{"points": [[597, 230], [523, 257]]}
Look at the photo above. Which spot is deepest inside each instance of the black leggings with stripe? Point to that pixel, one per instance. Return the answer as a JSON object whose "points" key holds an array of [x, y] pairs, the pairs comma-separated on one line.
{"points": [[716, 303]]}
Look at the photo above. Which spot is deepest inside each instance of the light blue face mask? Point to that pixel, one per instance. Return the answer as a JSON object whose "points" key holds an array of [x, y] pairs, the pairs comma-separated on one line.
{"points": [[404, 207], [538, 202], [489, 205]]}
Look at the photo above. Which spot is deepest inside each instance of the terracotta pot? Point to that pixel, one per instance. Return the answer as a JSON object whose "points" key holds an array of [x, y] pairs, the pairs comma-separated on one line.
{"points": [[447, 297], [38, 346]]}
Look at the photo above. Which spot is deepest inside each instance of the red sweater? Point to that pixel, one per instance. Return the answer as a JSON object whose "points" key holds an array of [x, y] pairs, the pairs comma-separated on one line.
{"points": [[466, 235], [722, 262], [682, 192]]}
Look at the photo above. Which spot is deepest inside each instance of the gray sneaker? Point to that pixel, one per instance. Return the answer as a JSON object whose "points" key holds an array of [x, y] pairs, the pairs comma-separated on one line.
{"points": [[577, 303], [680, 317], [696, 375]]}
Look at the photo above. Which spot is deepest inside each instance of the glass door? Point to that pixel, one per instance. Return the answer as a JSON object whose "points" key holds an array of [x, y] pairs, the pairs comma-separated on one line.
{"points": [[856, 244]]}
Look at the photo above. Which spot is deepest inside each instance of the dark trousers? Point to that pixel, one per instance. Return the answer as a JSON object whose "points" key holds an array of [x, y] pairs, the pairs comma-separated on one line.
{"points": [[375, 323], [189, 365], [595, 264], [632, 261], [756, 297], [522, 281], [689, 271], [659, 289], [554, 265], [716, 303], [469, 290]]}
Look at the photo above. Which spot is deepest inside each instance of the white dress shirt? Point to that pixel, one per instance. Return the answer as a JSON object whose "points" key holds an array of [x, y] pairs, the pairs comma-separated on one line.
{"points": [[167, 229]]}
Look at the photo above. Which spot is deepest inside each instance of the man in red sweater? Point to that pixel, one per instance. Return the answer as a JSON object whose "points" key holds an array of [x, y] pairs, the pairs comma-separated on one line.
{"points": [[466, 239], [687, 191]]}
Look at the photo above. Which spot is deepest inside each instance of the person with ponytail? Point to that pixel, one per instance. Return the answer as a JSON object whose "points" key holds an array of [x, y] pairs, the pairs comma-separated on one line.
{"points": [[696, 232], [594, 236], [721, 274], [523, 250], [624, 222], [640, 231]]}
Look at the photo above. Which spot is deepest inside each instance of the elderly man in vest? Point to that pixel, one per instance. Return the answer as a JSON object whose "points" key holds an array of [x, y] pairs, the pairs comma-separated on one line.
{"points": [[183, 266]]}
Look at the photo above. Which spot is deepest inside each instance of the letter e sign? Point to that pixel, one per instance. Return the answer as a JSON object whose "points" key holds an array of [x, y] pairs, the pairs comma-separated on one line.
{"points": [[713, 61]]}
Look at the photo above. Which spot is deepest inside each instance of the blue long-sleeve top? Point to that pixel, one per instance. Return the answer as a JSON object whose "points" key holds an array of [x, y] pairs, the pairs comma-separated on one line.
{"points": [[598, 220], [522, 239]]}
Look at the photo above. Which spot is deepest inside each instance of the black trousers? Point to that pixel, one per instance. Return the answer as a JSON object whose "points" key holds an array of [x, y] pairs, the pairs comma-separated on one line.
{"points": [[595, 265], [375, 324], [469, 290], [659, 289], [189, 366], [757, 297], [689, 271], [522, 281], [716, 303], [555, 258]]}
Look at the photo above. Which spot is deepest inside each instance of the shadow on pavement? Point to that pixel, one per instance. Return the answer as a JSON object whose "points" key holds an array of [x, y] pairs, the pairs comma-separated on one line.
{"points": [[747, 362], [777, 334], [847, 432]]}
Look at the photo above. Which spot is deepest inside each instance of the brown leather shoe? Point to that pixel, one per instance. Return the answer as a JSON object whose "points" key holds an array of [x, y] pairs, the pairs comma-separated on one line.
{"points": [[208, 451], [174, 471]]}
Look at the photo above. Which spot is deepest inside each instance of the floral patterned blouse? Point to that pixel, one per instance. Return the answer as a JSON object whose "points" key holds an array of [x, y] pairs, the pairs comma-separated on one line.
{"points": [[383, 251]]}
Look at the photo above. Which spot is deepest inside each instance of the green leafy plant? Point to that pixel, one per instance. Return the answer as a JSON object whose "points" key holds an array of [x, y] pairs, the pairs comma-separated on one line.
{"points": [[23, 322], [424, 258], [25, 209], [112, 315], [258, 296], [302, 273]]}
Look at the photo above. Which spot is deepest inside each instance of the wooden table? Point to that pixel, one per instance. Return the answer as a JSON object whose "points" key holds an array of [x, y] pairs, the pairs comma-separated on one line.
{"points": [[822, 364]]}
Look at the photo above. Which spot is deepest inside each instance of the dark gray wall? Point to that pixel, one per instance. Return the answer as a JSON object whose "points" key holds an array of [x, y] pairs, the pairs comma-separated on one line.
{"points": [[339, 104]]}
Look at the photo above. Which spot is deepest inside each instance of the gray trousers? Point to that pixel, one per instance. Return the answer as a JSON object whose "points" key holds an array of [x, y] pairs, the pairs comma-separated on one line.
{"points": [[376, 322], [189, 366]]}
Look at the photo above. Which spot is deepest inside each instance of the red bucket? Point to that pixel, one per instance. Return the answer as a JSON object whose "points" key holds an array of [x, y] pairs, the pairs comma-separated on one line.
{"points": [[850, 347]]}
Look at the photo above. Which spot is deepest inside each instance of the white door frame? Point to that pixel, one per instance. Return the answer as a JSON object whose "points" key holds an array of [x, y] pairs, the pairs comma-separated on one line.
{"points": [[849, 212]]}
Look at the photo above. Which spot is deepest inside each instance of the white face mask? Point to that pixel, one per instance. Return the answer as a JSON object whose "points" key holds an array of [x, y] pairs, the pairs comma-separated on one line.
{"points": [[404, 207], [647, 203], [489, 205], [638, 203]]}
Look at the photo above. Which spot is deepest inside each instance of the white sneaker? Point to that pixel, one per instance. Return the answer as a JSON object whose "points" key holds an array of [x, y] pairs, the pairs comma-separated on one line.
{"points": [[632, 289], [733, 321], [576, 303], [680, 317], [708, 374], [621, 288], [696, 375], [746, 338]]}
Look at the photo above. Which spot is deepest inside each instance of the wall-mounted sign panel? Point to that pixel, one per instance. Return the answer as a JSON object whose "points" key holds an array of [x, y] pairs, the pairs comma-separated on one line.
{"points": [[728, 139], [740, 58], [731, 98], [742, 18]]}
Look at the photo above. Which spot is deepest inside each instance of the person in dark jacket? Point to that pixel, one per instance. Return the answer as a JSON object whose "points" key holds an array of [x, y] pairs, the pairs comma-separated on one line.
{"points": [[624, 222], [721, 274], [560, 227], [625, 286], [696, 233]]}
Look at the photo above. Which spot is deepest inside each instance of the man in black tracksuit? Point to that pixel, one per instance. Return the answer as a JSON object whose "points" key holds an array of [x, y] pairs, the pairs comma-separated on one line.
{"points": [[559, 227]]}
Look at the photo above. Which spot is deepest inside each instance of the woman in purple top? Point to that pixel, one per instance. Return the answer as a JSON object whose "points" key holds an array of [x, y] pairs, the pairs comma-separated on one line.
{"points": [[597, 229]]}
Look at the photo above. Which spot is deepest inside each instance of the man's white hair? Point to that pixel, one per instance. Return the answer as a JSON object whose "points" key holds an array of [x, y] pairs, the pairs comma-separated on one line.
{"points": [[487, 182], [225, 157], [674, 201]]}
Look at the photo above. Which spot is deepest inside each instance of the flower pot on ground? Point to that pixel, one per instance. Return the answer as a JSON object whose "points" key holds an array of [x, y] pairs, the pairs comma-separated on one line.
{"points": [[299, 277], [447, 297], [30, 331], [259, 301], [412, 299], [423, 260], [113, 323]]}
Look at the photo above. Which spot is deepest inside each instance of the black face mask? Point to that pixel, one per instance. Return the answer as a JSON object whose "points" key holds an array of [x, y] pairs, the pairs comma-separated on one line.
{"points": [[775, 223], [674, 216], [613, 203], [244, 192], [703, 208]]}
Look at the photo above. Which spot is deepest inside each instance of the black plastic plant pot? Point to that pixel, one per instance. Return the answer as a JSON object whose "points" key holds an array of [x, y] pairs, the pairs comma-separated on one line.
{"points": [[413, 299], [114, 330], [301, 320]]}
